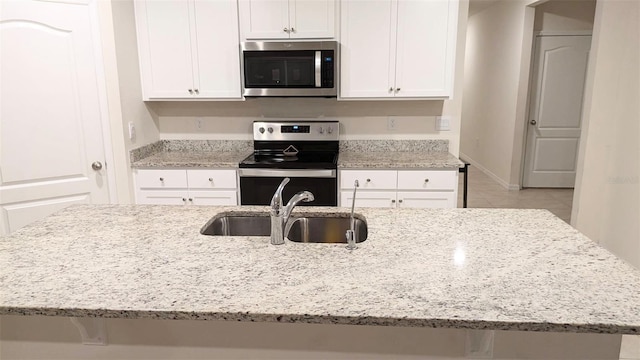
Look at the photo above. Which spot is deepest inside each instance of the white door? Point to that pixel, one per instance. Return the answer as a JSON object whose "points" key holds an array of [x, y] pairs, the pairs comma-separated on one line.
{"points": [[367, 62], [50, 118], [312, 18], [557, 91], [165, 48]]}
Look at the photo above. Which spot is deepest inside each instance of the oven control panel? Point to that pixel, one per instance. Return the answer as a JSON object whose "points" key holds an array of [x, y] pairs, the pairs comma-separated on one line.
{"points": [[296, 130]]}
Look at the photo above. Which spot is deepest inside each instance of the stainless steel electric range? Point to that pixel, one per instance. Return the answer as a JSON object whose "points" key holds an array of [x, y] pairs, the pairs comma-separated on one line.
{"points": [[304, 151]]}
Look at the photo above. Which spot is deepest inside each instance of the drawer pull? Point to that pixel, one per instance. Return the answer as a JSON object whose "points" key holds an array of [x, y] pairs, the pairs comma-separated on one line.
{"points": [[211, 179], [426, 180], [161, 179], [184, 199], [393, 201], [368, 180], [400, 200], [190, 199]]}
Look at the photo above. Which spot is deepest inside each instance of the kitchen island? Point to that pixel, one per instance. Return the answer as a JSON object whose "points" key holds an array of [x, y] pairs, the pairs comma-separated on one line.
{"points": [[433, 275]]}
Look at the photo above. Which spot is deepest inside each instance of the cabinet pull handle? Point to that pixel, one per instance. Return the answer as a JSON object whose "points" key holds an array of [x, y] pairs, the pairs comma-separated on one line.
{"points": [[191, 91], [197, 91], [190, 199], [293, 30], [183, 199], [286, 30], [211, 179], [390, 89], [397, 89], [161, 179], [426, 180], [368, 180], [400, 200], [393, 201]]}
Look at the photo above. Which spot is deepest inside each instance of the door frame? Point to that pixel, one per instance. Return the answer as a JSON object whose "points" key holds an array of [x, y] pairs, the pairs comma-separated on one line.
{"points": [[525, 133]]}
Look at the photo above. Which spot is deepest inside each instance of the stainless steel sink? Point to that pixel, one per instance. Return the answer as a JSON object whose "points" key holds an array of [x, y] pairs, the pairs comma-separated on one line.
{"points": [[308, 229]]}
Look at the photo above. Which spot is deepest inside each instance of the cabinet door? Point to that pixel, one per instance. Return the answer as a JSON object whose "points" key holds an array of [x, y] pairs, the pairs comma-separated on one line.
{"points": [[216, 51], [162, 197], [382, 199], [264, 19], [165, 48], [427, 199], [425, 49], [312, 18], [367, 66], [213, 197]]}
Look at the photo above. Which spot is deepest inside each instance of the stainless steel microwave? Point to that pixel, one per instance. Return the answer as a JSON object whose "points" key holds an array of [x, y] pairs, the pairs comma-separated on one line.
{"points": [[290, 68]]}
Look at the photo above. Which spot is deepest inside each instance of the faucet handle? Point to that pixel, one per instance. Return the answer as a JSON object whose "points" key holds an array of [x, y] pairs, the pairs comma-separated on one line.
{"points": [[276, 200]]}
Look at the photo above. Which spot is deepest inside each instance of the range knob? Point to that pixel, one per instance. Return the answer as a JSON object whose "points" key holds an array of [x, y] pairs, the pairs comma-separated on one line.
{"points": [[270, 130], [329, 130], [261, 130], [321, 130]]}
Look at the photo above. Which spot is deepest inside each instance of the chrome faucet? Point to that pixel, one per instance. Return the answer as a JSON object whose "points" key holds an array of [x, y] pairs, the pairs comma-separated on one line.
{"points": [[280, 215], [351, 233]]}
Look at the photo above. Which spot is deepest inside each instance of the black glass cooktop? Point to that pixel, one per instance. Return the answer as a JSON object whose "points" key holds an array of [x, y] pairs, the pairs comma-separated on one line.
{"points": [[302, 160]]}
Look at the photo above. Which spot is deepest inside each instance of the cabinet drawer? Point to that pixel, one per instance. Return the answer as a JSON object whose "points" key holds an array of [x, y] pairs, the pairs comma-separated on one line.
{"points": [[218, 197], [368, 199], [369, 179], [427, 180], [426, 199], [211, 179], [161, 179], [162, 197]]}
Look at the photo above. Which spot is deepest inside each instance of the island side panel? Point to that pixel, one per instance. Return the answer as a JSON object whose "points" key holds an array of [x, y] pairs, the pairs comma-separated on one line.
{"points": [[57, 338]]}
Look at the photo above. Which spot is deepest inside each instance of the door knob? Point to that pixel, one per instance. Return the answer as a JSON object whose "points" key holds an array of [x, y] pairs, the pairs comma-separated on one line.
{"points": [[97, 166], [533, 122]]}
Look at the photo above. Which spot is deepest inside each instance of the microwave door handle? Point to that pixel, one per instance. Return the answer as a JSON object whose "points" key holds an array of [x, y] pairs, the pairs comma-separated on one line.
{"points": [[318, 69]]}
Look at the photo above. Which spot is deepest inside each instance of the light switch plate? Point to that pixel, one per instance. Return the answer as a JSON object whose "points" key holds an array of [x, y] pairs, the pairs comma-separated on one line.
{"points": [[132, 131]]}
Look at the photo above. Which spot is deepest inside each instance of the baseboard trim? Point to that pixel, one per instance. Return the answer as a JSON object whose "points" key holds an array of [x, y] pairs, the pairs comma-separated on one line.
{"points": [[486, 171]]}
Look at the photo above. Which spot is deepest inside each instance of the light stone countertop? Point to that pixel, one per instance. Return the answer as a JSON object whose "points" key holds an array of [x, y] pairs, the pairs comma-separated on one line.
{"points": [[398, 160], [503, 269], [191, 159]]}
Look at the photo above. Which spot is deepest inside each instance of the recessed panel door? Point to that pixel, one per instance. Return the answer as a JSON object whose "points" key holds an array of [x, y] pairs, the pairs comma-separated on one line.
{"points": [[554, 123], [51, 134]]}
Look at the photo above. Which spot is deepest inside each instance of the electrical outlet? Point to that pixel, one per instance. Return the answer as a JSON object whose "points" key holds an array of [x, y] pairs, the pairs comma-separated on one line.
{"points": [[443, 123], [392, 123], [198, 124]]}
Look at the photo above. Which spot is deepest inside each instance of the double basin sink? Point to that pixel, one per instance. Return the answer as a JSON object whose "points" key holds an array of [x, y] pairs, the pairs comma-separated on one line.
{"points": [[314, 228]]}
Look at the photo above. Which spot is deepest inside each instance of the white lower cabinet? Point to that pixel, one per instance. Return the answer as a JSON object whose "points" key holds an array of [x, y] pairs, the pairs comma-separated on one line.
{"points": [[188, 187], [400, 188]]}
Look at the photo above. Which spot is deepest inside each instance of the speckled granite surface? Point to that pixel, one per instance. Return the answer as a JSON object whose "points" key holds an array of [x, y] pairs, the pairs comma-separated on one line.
{"points": [[394, 145], [398, 160], [191, 153], [459, 268]]}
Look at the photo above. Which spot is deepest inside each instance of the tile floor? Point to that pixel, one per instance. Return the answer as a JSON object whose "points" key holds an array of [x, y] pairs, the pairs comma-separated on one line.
{"points": [[484, 192]]}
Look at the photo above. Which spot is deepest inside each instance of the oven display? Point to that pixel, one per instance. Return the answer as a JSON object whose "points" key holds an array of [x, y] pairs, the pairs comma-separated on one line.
{"points": [[295, 129]]}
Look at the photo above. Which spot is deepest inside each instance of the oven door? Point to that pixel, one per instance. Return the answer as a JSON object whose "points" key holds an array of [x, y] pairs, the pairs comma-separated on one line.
{"points": [[257, 186]]}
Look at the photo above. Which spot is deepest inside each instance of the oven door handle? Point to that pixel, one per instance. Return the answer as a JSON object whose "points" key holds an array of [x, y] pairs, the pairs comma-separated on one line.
{"points": [[286, 173]]}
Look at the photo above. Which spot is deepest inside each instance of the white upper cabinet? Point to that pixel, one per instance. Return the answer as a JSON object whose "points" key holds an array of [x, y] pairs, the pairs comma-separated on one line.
{"points": [[287, 19], [398, 48], [188, 49]]}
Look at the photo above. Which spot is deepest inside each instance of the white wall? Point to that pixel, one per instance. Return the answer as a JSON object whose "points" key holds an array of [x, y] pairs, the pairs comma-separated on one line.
{"points": [[565, 15], [122, 75], [359, 119], [606, 204], [496, 83]]}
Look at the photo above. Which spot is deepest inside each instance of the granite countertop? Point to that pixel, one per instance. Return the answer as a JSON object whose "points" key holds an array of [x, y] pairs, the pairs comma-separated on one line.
{"points": [[191, 159], [398, 160], [506, 269]]}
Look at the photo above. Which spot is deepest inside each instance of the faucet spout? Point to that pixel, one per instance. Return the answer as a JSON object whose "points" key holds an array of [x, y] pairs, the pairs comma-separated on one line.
{"points": [[351, 233], [280, 225]]}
